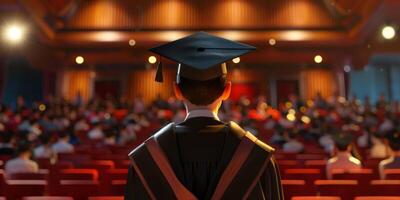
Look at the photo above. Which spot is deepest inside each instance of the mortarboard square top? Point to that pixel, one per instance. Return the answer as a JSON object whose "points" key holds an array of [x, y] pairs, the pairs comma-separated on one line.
{"points": [[201, 54]]}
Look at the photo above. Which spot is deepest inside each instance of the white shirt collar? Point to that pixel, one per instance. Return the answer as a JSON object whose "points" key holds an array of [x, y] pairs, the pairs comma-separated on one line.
{"points": [[201, 113]]}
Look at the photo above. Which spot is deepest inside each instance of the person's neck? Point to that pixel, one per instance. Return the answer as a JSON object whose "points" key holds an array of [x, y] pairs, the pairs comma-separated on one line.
{"points": [[213, 107], [24, 156]]}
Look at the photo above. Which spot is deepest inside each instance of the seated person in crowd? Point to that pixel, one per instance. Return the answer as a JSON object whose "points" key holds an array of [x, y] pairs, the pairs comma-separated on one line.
{"points": [[292, 145], [44, 150], [22, 163], [96, 132], [343, 158], [110, 138], [63, 145], [6, 143], [393, 162], [378, 149]]}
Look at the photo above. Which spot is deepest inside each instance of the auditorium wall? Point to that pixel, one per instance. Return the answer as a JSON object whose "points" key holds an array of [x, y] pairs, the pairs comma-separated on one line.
{"points": [[21, 79], [245, 81], [373, 81]]}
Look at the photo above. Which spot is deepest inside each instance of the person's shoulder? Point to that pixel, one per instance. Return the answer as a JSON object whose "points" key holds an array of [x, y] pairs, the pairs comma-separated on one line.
{"points": [[355, 160], [241, 133], [162, 132]]}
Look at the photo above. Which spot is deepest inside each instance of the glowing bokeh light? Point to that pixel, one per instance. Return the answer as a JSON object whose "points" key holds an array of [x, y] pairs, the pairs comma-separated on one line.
{"points": [[272, 41], [14, 33], [236, 60], [388, 32], [152, 59], [79, 60], [318, 59]]}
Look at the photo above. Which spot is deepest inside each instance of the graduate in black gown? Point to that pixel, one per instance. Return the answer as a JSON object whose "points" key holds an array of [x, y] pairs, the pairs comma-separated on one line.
{"points": [[202, 157]]}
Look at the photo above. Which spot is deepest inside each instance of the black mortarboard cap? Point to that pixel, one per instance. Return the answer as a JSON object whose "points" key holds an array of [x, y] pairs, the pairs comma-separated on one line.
{"points": [[201, 55]]}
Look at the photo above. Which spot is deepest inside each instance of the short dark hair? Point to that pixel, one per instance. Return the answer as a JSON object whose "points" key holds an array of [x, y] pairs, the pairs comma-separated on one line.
{"points": [[202, 92], [23, 147]]}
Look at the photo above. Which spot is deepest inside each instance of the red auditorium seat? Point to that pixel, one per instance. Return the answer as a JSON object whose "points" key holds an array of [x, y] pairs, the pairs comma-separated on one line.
{"points": [[122, 164], [100, 165], [296, 188], [309, 175], [61, 165], [113, 157], [1, 182], [43, 174], [47, 198], [16, 189], [316, 164], [378, 198], [74, 158], [316, 198], [347, 189], [285, 156], [110, 175], [384, 188], [118, 187], [310, 156], [43, 163], [107, 198], [78, 189], [392, 174], [287, 164], [4, 158], [78, 174], [363, 176], [3, 198]]}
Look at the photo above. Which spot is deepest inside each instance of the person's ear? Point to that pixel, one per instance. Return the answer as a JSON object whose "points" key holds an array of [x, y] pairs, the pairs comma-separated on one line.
{"points": [[177, 91], [227, 91]]}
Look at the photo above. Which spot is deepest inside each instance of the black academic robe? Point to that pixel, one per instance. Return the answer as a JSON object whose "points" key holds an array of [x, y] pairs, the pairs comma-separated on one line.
{"points": [[199, 151]]}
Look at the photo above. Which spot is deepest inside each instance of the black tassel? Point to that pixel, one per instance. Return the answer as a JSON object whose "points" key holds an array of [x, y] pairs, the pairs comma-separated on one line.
{"points": [[159, 74]]}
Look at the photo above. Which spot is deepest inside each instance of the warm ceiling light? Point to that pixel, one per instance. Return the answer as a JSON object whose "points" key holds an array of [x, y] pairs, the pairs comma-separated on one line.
{"points": [[236, 60], [14, 33], [79, 60], [318, 59], [132, 42], [272, 41], [152, 59], [388, 32]]}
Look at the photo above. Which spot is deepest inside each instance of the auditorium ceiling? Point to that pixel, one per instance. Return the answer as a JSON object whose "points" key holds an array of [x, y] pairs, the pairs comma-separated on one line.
{"points": [[342, 31]]}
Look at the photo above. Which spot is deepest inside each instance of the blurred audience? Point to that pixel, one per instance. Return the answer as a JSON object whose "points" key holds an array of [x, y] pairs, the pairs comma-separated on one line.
{"points": [[22, 163], [393, 162], [57, 125], [343, 160], [62, 145]]}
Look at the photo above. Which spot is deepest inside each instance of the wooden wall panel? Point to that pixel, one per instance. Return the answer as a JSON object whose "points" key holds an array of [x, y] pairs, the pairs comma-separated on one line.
{"points": [[77, 81], [201, 14], [141, 83], [313, 81]]}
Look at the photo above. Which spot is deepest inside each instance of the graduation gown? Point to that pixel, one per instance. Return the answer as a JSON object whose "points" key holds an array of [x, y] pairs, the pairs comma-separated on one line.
{"points": [[198, 154]]}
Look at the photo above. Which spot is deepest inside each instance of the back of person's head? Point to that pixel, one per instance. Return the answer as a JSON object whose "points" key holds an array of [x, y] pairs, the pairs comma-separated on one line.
{"points": [[343, 141], [6, 136], [45, 139], [63, 135], [111, 131], [23, 147], [202, 92], [393, 138]]}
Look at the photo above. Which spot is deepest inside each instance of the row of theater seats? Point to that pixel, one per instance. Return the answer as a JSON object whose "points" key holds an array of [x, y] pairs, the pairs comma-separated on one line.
{"points": [[293, 198], [67, 198], [305, 175], [89, 172]]}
